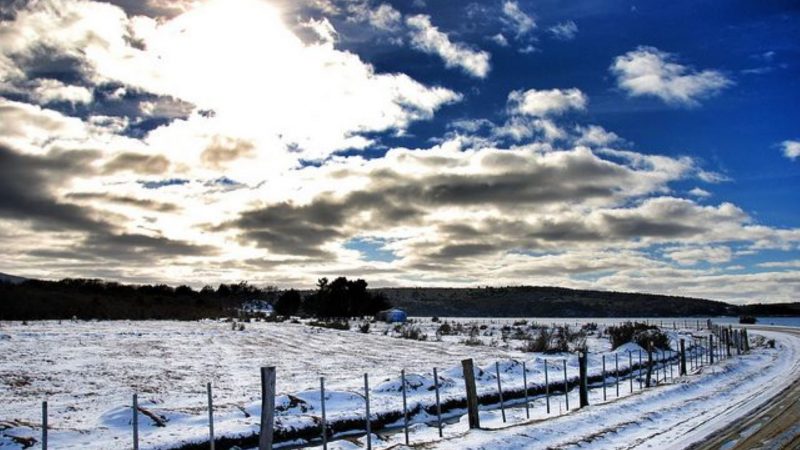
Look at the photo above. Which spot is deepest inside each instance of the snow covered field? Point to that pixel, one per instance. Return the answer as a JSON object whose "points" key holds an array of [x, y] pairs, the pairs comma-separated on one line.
{"points": [[87, 372]]}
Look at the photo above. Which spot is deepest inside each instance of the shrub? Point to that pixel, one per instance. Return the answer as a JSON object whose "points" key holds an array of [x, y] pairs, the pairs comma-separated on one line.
{"points": [[333, 324], [444, 329], [473, 341], [364, 328], [640, 333], [414, 333], [747, 319], [520, 323], [434, 319]]}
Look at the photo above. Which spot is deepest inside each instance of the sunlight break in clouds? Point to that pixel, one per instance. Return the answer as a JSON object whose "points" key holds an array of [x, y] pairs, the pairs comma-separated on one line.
{"points": [[647, 71]]}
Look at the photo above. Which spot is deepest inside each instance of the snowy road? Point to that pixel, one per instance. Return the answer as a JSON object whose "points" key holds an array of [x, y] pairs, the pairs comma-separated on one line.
{"points": [[671, 416]]}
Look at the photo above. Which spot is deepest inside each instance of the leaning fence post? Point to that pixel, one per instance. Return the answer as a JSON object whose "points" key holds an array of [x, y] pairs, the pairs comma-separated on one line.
{"points": [[525, 385], [405, 404], [472, 394], [566, 386], [583, 397], [682, 372], [210, 417], [368, 422], [604, 378], [438, 402], [135, 420], [324, 423], [267, 408], [746, 340], [44, 425], [500, 390], [546, 387]]}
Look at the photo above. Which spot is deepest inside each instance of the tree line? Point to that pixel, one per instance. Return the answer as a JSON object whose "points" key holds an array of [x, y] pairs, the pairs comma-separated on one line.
{"points": [[107, 300]]}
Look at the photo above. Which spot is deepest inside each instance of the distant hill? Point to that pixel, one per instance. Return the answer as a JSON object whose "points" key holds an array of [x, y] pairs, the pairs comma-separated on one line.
{"points": [[30, 299], [6, 278], [537, 301]]}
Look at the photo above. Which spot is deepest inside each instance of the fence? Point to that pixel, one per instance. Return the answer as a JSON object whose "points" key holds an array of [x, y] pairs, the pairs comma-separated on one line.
{"points": [[660, 366]]}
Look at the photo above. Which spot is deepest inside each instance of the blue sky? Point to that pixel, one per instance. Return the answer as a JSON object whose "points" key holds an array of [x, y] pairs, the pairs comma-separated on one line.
{"points": [[627, 146]]}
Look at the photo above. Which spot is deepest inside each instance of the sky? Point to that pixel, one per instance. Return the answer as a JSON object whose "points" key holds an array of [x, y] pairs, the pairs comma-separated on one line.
{"points": [[610, 145]]}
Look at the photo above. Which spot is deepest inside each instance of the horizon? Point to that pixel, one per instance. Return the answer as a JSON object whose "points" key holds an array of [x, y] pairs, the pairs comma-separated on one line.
{"points": [[620, 146]]}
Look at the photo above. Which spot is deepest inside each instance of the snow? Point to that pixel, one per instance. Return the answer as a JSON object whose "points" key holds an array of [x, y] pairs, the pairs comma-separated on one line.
{"points": [[88, 370]]}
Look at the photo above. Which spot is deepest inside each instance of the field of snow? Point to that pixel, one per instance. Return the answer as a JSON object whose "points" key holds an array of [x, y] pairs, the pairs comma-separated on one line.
{"points": [[87, 372]]}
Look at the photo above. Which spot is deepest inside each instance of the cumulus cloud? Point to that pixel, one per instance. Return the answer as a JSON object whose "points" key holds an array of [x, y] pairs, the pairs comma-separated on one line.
{"points": [[520, 22], [427, 38], [50, 91], [273, 81], [791, 149], [689, 256], [541, 103], [564, 31], [648, 71]]}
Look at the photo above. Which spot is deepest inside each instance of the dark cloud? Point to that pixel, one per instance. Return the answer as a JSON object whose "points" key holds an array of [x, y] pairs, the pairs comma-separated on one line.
{"points": [[137, 163], [27, 181], [125, 200], [222, 151]]}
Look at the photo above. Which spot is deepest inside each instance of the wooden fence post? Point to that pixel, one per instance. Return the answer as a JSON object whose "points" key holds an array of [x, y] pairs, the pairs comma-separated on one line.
{"points": [[438, 401], [44, 425], [649, 364], [583, 396], [324, 423], [683, 358], [525, 385], [616, 371], [639, 372], [267, 428], [746, 340], [472, 393], [210, 417], [405, 404], [604, 378], [500, 390], [367, 419], [711, 348], [728, 343], [546, 387], [566, 386], [135, 420]]}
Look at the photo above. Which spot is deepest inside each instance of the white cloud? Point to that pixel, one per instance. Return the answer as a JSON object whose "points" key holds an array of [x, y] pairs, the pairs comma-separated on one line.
{"points": [[564, 31], [647, 71], [689, 256], [385, 17], [700, 193], [517, 19], [596, 136], [791, 149], [540, 103], [500, 40], [49, 91], [270, 84], [324, 29], [427, 38]]}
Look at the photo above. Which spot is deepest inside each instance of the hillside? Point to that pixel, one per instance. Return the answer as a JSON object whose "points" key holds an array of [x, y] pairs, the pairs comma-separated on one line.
{"points": [[536, 301]]}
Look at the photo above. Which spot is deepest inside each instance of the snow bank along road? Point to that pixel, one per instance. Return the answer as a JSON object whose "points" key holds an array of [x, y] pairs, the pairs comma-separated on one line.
{"points": [[773, 424], [678, 415]]}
